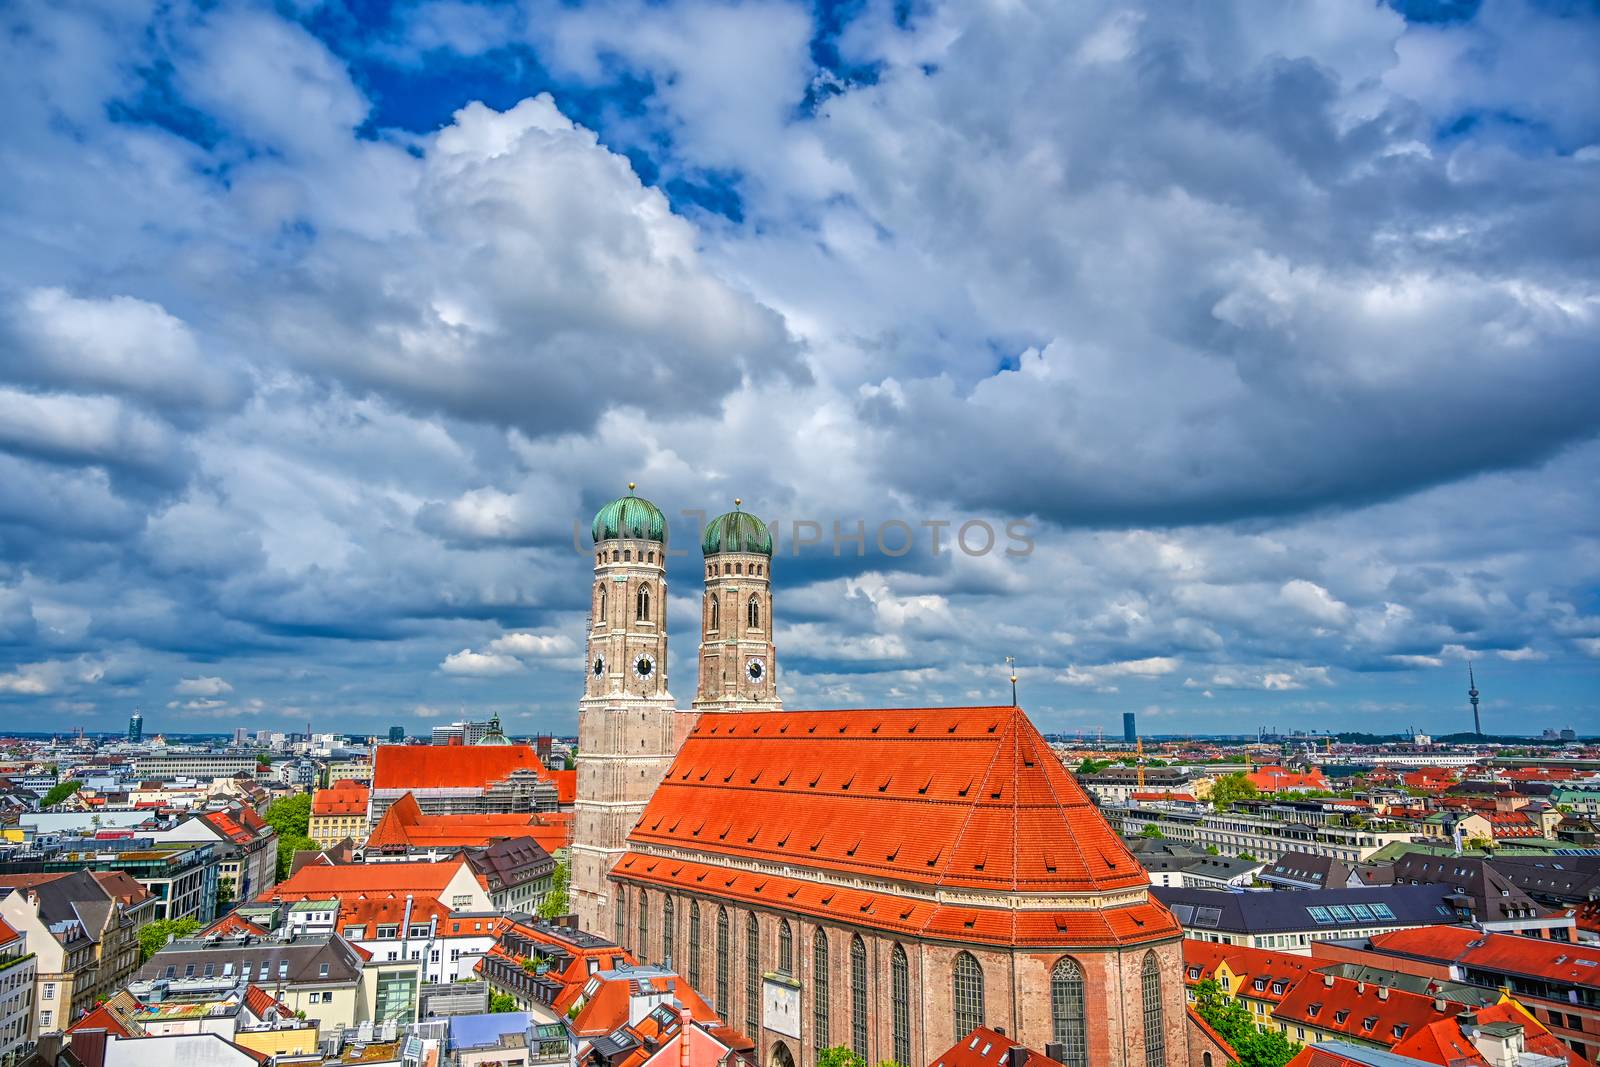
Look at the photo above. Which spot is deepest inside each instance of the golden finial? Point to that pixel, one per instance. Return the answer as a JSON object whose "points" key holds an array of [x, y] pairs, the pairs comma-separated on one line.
{"points": [[737, 502], [630, 487]]}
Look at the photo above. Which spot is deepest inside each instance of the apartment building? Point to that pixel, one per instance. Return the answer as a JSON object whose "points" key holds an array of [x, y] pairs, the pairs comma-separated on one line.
{"points": [[17, 971], [1293, 921], [1260, 836], [200, 765]]}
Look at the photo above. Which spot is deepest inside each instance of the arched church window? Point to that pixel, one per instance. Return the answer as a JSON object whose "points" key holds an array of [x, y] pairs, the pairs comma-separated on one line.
{"points": [[752, 975], [785, 948], [821, 985], [967, 993], [753, 612], [627, 555], [738, 568], [622, 915], [602, 603], [858, 996], [1155, 1039], [722, 961], [642, 606], [643, 945], [1066, 1011], [900, 994], [694, 944], [716, 611], [667, 928]]}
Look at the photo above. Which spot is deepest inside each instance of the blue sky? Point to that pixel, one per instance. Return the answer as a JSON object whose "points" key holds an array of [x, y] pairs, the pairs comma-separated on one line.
{"points": [[322, 324]]}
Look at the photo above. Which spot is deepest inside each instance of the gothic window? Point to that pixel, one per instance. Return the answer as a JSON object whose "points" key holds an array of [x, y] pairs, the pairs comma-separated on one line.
{"points": [[722, 962], [900, 993], [622, 916], [753, 613], [644, 927], [602, 603], [858, 996], [716, 612], [820, 977], [694, 943], [1155, 1041], [666, 930], [738, 568], [642, 608], [785, 948], [627, 555], [752, 975], [1066, 1011], [967, 990]]}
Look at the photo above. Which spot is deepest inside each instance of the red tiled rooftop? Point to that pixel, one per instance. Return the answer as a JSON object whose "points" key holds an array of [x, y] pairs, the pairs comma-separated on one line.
{"points": [[343, 797], [404, 824], [1556, 961], [1394, 1014], [1445, 1044], [317, 882], [957, 797], [984, 1047], [450, 766]]}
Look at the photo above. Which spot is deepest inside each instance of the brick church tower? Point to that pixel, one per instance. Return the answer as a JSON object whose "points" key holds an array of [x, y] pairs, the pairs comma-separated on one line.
{"points": [[738, 661], [628, 725]]}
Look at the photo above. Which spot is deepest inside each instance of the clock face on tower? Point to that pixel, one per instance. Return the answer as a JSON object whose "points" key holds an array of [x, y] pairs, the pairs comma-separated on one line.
{"points": [[599, 666], [645, 665], [755, 670]]}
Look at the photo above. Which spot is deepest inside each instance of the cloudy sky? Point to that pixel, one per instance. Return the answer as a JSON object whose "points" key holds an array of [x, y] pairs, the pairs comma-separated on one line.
{"points": [[1271, 330]]}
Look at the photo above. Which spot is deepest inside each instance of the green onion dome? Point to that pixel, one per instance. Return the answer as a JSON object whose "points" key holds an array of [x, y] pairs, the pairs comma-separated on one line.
{"points": [[632, 518], [737, 531]]}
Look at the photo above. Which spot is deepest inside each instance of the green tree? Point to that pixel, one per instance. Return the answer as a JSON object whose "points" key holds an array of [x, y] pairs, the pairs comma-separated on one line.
{"points": [[1151, 831], [59, 792], [1233, 1021], [839, 1056], [1232, 788], [154, 935], [1092, 766], [502, 1002], [556, 902], [1213, 850], [291, 817]]}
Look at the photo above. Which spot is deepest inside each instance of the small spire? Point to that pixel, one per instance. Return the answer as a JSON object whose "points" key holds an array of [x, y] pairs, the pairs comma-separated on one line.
{"points": [[630, 488], [1011, 664], [736, 503]]}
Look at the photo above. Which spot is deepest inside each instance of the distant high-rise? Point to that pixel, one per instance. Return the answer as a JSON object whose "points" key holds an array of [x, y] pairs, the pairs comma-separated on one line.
{"points": [[1130, 732], [1472, 698], [397, 735], [240, 735], [136, 728]]}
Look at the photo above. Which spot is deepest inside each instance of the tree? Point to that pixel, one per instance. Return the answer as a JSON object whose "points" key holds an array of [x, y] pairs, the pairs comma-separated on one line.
{"points": [[556, 902], [291, 817], [1213, 850], [502, 1002], [839, 1056], [1232, 788], [1092, 766], [1151, 831], [154, 935], [1233, 1021], [59, 792]]}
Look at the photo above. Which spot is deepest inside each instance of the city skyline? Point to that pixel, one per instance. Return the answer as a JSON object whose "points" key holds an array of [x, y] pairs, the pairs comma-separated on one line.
{"points": [[321, 334]]}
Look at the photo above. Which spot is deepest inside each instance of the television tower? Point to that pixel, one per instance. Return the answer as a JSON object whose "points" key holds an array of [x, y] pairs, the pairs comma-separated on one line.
{"points": [[1472, 698]]}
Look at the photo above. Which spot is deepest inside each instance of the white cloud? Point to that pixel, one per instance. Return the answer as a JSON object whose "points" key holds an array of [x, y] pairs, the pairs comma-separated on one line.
{"points": [[202, 686], [534, 645], [479, 664]]}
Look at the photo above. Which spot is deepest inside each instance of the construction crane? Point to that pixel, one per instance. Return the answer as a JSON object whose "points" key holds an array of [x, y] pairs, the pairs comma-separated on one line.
{"points": [[1138, 750]]}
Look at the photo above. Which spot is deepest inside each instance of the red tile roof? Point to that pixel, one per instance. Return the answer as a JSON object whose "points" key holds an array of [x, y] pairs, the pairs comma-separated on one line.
{"points": [[1273, 779], [566, 785], [1554, 961], [984, 1047], [450, 766], [259, 1002], [343, 797], [7, 934], [318, 882], [101, 1018], [1361, 1011], [959, 798], [1445, 1044], [1312, 1056], [233, 923], [1278, 970], [603, 1002], [404, 824]]}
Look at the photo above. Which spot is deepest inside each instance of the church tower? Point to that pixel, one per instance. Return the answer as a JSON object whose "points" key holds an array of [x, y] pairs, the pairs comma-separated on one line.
{"points": [[627, 723], [738, 661]]}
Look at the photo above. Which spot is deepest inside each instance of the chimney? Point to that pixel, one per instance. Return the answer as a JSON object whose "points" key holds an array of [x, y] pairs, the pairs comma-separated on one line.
{"points": [[1017, 1056], [1468, 1021], [1383, 992], [1327, 981], [1439, 1004], [1361, 989], [685, 1021]]}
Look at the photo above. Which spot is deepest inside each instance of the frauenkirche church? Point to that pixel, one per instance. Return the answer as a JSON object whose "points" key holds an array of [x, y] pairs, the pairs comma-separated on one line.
{"points": [[882, 879]]}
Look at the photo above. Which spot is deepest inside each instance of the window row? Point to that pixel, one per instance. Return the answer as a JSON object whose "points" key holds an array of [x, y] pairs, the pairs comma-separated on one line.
{"points": [[1068, 990], [714, 570], [641, 603], [752, 612]]}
